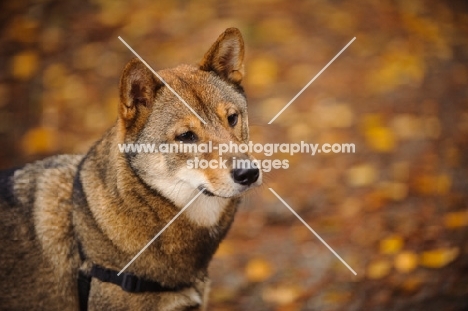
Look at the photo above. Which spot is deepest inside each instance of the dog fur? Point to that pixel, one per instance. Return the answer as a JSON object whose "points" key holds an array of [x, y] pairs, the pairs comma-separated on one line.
{"points": [[109, 204]]}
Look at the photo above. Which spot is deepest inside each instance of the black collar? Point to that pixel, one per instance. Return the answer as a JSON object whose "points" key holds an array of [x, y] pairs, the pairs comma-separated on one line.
{"points": [[127, 281], [130, 282]]}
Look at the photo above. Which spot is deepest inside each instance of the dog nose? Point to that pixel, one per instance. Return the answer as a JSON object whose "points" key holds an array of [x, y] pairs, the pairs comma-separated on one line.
{"points": [[245, 177]]}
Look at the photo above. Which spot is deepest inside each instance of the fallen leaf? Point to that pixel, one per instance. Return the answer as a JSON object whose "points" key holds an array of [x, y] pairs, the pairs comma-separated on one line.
{"points": [[381, 139], [378, 269], [456, 219], [39, 140], [406, 262], [397, 67], [439, 258], [25, 65], [361, 175], [258, 270], [391, 245], [281, 295], [263, 72], [225, 249]]}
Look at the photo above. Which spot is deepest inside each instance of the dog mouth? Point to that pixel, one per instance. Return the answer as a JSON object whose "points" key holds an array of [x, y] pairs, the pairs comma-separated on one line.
{"points": [[209, 193], [206, 191]]}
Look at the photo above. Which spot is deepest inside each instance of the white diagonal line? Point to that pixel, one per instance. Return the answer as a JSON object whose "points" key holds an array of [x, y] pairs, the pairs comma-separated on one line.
{"points": [[312, 230], [162, 80], [310, 82], [162, 230]]}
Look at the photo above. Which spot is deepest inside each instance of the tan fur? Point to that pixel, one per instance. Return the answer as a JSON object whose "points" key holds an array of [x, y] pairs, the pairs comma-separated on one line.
{"points": [[38, 257]]}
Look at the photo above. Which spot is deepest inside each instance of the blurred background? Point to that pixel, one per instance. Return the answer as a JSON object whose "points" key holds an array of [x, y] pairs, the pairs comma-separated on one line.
{"points": [[396, 210]]}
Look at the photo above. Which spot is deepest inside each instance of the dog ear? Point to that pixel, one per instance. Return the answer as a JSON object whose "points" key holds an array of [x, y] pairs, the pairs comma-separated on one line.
{"points": [[226, 57], [138, 87]]}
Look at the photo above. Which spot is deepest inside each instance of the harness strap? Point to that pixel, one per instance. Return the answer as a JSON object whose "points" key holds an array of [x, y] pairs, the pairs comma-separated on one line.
{"points": [[84, 287], [84, 282], [130, 282], [127, 281]]}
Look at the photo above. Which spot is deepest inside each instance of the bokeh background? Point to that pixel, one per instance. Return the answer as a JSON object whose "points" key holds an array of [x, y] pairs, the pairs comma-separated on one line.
{"points": [[396, 210]]}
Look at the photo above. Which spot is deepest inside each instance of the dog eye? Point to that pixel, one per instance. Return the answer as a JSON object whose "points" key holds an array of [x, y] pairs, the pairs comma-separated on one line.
{"points": [[232, 119], [187, 137]]}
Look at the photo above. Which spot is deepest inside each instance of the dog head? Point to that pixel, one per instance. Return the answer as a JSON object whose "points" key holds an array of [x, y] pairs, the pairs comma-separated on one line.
{"points": [[152, 115]]}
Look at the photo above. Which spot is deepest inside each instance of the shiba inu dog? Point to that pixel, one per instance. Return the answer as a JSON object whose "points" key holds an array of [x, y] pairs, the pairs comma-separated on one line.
{"points": [[69, 223]]}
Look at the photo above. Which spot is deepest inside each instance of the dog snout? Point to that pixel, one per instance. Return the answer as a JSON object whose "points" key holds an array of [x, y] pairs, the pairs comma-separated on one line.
{"points": [[244, 176]]}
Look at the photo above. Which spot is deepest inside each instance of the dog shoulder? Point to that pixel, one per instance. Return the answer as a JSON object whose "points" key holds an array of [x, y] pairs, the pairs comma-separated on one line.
{"points": [[36, 233]]}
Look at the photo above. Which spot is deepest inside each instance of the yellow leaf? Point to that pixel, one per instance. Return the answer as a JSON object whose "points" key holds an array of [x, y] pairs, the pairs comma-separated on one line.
{"points": [[40, 140], [397, 67], [391, 245], [225, 249], [439, 258], [361, 175], [381, 139], [24, 65], [406, 262], [258, 270], [378, 269], [456, 219], [371, 120], [262, 72], [281, 295]]}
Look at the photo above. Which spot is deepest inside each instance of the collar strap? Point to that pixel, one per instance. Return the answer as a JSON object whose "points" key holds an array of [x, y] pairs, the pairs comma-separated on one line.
{"points": [[130, 282]]}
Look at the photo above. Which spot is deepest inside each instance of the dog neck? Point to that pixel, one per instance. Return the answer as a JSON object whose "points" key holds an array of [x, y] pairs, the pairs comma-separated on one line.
{"points": [[125, 214]]}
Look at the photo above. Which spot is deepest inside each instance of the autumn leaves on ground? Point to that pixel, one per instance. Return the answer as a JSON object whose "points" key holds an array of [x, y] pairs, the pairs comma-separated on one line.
{"points": [[395, 211]]}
